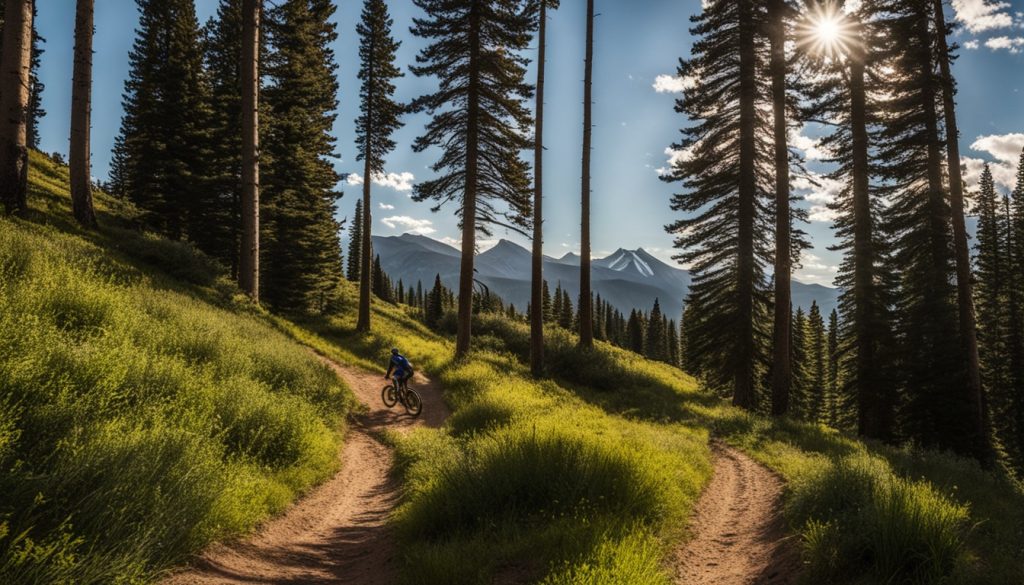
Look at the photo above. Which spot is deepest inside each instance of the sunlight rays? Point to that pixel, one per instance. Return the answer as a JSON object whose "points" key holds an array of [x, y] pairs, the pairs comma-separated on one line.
{"points": [[825, 30]]}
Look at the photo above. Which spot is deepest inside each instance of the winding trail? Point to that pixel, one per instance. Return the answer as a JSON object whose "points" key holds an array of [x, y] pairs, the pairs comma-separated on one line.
{"points": [[738, 534], [337, 533]]}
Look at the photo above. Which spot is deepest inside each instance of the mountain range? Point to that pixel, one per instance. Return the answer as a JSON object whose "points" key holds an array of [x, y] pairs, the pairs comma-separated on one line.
{"points": [[627, 279]]}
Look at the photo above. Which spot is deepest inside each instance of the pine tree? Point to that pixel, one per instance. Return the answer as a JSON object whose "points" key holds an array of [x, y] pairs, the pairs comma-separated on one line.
{"points": [[302, 249], [655, 348], [800, 392], [991, 262], [586, 308], [378, 118], [248, 241], [937, 411], [725, 234], [162, 148], [566, 316], [36, 87], [81, 107], [817, 362], [846, 91], [355, 242], [538, 286], [833, 402], [547, 309], [478, 120], [435, 303], [14, 98], [1015, 322], [635, 333]]}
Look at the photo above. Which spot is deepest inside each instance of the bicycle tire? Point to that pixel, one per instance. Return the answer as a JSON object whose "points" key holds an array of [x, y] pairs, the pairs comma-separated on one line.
{"points": [[413, 404], [389, 396]]}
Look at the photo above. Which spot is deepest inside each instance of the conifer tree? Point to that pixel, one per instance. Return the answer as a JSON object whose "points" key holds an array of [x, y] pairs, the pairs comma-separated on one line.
{"points": [[378, 118], [655, 348], [81, 107], [249, 238], [547, 308], [435, 303], [1015, 308], [834, 403], [566, 316], [478, 119], [635, 333], [36, 86], [725, 234], [800, 390], [992, 263], [586, 298], [302, 249], [14, 99], [817, 364], [355, 242], [161, 152], [673, 343]]}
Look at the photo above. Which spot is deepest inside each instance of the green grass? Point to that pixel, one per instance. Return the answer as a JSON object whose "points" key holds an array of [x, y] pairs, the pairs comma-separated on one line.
{"points": [[142, 414]]}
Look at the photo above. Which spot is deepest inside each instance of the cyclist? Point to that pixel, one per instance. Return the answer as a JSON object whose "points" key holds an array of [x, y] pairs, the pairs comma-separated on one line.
{"points": [[401, 366]]}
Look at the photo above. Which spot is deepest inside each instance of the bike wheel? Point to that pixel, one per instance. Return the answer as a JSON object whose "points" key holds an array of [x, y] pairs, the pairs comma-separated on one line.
{"points": [[413, 404], [389, 396]]}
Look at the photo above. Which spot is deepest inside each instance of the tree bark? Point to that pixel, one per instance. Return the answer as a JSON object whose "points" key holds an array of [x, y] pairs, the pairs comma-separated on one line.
{"points": [[363, 323], [965, 293], [249, 263], [781, 366], [586, 299], [537, 282], [465, 320], [81, 108], [743, 382], [14, 96]]}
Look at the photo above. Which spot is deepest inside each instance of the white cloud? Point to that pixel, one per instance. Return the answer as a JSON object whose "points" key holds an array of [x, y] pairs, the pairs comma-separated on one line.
{"points": [[815, 269], [409, 224], [1005, 149], [971, 44], [811, 147], [397, 181], [673, 84], [386, 206], [982, 15], [1012, 45], [820, 191], [675, 156]]}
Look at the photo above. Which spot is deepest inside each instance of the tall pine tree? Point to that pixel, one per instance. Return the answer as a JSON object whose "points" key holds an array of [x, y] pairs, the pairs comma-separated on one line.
{"points": [[355, 244], [478, 119]]}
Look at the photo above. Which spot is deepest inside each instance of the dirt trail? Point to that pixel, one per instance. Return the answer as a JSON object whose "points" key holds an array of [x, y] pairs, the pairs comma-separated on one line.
{"points": [[338, 533], [738, 534]]}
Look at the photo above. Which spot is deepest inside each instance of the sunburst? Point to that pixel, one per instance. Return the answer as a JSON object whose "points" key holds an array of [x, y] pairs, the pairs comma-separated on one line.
{"points": [[826, 30]]}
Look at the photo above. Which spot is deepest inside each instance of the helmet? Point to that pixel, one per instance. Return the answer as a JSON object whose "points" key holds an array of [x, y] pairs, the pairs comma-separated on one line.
{"points": [[394, 351]]}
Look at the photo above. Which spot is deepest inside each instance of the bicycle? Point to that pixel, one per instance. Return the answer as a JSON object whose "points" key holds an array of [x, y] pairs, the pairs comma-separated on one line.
{"points": [[399, 391]]}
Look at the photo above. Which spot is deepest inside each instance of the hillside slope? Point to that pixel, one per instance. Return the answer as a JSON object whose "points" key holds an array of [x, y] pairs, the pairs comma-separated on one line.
{"points": [[145, 410]]}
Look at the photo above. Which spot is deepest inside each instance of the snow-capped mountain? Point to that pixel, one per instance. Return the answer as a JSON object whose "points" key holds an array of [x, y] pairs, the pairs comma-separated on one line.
{"points": [[627, 279]]}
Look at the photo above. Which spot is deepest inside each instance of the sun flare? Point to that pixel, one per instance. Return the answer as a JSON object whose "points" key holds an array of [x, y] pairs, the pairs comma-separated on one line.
{"points": [[826, 31]]}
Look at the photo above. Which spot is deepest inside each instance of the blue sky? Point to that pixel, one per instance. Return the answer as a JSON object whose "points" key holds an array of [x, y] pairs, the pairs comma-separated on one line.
{"points": [[636, 41]]}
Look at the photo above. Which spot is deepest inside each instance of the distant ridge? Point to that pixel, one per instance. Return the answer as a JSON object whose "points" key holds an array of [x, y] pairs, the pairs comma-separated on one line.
{"points": [[627, 279]]}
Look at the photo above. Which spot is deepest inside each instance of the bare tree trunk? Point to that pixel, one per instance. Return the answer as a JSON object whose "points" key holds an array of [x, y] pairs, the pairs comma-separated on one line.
{"points": [[14, 94], [965, 293], [537, 282], [249, 263], [81, 108], [465, 320], [781, 360], [586, 298], [366, 242], [743, 384]]}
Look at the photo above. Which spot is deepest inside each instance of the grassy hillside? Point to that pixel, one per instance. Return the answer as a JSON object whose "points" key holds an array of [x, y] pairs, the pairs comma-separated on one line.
{"points": [[151, 410], [144, 411]]}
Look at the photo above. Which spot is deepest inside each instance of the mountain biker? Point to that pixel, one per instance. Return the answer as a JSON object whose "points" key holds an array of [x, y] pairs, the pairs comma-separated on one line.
{"points": [[401, 366]]}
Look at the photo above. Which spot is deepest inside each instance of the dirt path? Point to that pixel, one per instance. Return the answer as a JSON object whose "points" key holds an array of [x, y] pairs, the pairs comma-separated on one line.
{"points": [[338, 533], [738, 534]]}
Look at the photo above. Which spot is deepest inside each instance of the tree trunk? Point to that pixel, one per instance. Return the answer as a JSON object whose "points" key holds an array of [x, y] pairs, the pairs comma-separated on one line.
{"points": [[81, 106], [743, 383], [249, 263], [465, 321], [586, 298], [14, 94], [537, 283], [874, 418], [781, 366], [965, 293], [366, 243]]}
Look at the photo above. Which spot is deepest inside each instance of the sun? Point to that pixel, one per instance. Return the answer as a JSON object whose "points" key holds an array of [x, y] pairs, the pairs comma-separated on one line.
{"points": [[825, 30]]}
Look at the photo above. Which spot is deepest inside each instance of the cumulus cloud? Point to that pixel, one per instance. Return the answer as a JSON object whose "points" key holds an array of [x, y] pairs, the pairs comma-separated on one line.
{"points": [[1005, 43], [981, 15], [673, 84], [815, 269], [675, 156], [971, 44], [397, 181], [820, 191], [410, 225], [1005, 149], [386, 206], [811, 147]]}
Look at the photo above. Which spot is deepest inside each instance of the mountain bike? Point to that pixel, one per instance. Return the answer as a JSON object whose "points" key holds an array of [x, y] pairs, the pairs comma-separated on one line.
{"points": [[399, 391]]}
